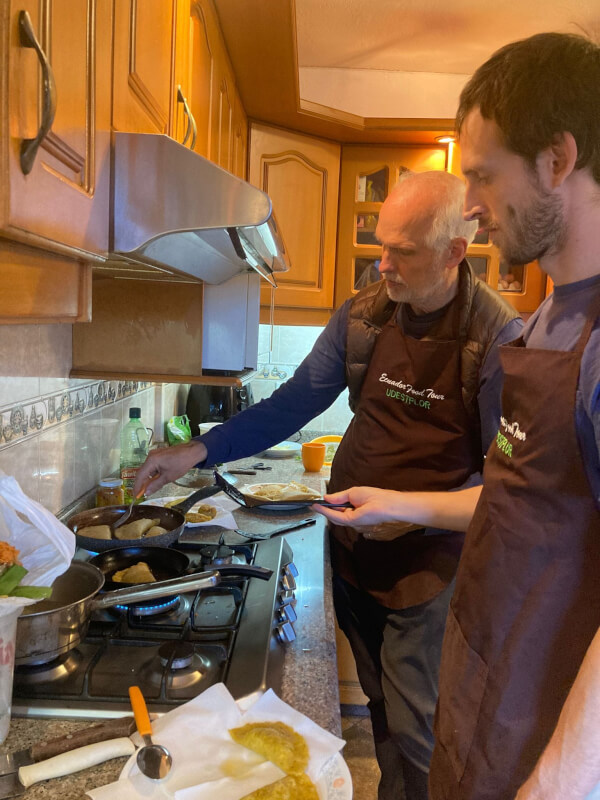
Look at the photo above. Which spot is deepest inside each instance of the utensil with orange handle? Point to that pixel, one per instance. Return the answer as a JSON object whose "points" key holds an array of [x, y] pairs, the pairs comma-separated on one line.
{"points": [[153, 760]]}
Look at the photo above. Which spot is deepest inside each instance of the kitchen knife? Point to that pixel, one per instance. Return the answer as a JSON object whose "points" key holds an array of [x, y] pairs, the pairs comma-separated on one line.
{"points": [[112, 729], [66, 763]]}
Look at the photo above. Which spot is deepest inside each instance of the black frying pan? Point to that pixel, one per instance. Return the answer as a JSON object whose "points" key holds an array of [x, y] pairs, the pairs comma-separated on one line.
{"points": [[164, 563], [173, 519]]}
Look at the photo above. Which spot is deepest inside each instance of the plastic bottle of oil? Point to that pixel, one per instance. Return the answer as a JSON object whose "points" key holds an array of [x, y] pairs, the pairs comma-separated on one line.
{"points": [[135, 441]]}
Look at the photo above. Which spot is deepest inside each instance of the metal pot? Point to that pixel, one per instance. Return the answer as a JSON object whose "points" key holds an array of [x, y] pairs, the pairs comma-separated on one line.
{"points": [[54, 626]]}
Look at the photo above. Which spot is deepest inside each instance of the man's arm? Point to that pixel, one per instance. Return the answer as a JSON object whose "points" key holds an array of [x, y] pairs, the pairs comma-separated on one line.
{"points": [[447, 510], [319, 379], [570, 764]]}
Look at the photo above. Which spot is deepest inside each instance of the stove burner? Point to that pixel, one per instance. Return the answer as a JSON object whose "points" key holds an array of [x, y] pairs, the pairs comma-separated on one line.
{"points": [[217, 555], [180, 654], [151, 608], [52, 670]]}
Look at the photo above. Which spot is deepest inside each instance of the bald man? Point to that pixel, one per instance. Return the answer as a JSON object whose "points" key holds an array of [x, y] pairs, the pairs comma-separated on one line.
{"points": [[418, 353]]}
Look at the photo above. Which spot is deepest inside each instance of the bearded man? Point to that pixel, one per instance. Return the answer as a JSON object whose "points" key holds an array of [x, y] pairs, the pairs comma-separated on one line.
{"points": [[418, 352]]}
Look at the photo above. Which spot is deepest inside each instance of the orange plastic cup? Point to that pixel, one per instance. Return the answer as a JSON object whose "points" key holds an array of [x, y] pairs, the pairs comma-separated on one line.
{"points": [[313, 456]]}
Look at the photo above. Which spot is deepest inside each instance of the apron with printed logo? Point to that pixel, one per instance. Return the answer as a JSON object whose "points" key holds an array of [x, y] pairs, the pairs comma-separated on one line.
{"points": [[411, 431], [527, 600]]}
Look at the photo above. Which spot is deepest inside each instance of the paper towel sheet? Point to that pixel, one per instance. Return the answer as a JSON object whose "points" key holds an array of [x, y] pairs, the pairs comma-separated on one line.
{"points": [[205, 756]]}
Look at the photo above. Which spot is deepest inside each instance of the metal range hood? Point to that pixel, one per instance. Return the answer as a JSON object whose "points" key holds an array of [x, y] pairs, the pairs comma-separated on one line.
{"points": [[175, 210]]}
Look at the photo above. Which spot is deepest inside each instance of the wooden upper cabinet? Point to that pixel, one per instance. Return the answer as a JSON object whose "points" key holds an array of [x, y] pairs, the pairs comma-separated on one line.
{"points": [[62, 203], [369, 172], [207, 82], [239, 147], [144, 65], [301, 176]]}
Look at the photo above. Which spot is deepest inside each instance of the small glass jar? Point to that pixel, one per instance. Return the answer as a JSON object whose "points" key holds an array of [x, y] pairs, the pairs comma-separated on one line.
{"points": [[110, 492]]}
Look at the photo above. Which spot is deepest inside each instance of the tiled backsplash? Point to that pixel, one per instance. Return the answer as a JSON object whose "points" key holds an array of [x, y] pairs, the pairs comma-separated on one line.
{"points": [[59, 436], [278, 357]]}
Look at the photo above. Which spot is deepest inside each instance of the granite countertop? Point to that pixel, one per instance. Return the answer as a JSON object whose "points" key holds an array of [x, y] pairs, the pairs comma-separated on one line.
{"points": [[310, 681]]}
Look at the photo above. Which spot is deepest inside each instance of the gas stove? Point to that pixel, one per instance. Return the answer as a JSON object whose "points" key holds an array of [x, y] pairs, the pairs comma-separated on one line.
{"points": [[175, 647]]}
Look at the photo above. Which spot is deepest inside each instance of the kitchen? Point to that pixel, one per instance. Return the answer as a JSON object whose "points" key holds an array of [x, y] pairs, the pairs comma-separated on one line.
{"points": [[52, 461]]}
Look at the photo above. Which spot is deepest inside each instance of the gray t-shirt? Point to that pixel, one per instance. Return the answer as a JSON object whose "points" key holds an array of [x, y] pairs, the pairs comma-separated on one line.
{"points": [[557, 325]]}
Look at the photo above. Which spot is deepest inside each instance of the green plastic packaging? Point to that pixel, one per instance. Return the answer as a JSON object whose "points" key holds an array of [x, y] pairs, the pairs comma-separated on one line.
{"points": [[178, 430]]}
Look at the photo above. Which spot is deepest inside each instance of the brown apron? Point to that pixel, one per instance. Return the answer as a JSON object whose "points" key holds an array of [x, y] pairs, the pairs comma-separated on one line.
{"points": [[411, 431], [527, 600]]}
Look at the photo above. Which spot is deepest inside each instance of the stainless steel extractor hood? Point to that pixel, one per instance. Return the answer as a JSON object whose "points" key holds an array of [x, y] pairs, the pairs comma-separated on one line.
{"points": [[176, 210]]}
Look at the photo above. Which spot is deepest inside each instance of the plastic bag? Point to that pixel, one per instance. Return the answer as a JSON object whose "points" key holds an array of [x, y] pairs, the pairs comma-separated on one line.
{"points": [[46, 546], [178, 430]]}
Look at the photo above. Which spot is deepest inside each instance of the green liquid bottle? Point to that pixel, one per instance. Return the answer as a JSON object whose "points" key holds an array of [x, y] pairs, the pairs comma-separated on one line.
{"points": [[135, 441]]}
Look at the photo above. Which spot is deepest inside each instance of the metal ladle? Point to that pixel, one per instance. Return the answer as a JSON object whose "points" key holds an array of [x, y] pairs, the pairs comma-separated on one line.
{"points": [[153, 760]]}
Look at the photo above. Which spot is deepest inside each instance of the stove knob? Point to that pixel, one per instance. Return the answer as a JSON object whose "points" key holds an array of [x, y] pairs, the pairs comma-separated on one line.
{"points": [[291, 569], [288, 613], [287, 597], [288, 582], [285, 632]]}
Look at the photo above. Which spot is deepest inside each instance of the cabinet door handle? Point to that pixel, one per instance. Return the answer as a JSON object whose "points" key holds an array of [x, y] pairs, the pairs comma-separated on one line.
{"points": [[29, 147], [191, 122]]}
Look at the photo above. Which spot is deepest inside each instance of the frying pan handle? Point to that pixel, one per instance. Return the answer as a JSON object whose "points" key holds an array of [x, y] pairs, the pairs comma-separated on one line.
{"points": [[147, 591], [245, 571]]}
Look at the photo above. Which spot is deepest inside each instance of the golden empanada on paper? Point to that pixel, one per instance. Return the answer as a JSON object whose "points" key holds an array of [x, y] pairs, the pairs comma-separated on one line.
{"points": [[276, 742], [292, 787]]}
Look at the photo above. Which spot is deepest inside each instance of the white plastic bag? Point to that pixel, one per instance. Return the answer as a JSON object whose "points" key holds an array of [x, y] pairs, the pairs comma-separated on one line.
{"points": [[46, 546]]}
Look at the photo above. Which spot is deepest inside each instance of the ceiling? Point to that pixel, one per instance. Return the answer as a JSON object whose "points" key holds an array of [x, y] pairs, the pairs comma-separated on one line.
{"points": [[410, 58]]}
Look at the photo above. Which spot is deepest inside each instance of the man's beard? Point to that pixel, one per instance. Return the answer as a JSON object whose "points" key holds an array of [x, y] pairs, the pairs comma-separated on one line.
{"points": [[401, 293], [534, 231]]}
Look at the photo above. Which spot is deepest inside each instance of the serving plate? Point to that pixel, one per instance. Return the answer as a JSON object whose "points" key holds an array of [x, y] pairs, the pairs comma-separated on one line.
{"points": [[250, 488], [335, 782]]}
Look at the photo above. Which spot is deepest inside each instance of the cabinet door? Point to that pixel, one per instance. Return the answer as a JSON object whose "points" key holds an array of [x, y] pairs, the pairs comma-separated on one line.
{"points": [[62, 203], [207, 81], [301, 175], [239, 144], [368, 174], [144, 53]]}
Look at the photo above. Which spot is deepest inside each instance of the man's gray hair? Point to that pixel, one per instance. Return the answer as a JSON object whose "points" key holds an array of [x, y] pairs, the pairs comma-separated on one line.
{"points": [[448, 222]]}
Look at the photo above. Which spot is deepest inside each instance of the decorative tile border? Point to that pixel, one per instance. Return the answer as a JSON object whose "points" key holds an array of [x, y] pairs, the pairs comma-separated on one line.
{"points": [[29, 418]]}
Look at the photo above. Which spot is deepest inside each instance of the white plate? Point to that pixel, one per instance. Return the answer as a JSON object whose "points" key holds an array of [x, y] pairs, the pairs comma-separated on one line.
{"points": [[283, 450], [162, 501], [249, 489], [335, 782]]}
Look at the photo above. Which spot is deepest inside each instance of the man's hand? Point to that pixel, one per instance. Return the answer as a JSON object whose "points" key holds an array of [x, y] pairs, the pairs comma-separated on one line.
{"points": [[371, 507], [168, 464]]}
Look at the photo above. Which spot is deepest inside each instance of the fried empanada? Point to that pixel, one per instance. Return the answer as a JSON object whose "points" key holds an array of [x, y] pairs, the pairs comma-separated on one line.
{"points": [[276, 742], [136, 529], [95, 532], [292, 787], [136, 573]]}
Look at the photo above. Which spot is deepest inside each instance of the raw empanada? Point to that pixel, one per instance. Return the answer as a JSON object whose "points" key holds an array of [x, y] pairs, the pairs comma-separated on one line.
{"points": [[95, 532], [135, 530], [156, 530], [276, 742]]}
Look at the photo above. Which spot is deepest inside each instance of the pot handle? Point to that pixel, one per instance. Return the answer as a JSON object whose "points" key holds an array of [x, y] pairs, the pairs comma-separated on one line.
{"points": [[147, 591]]}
